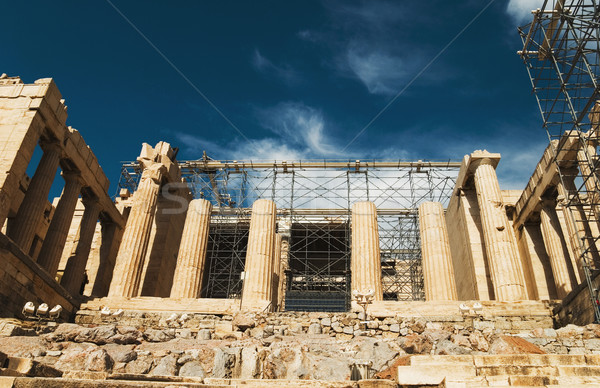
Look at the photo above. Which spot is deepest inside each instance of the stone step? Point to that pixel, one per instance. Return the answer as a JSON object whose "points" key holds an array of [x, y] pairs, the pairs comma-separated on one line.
{"points": [[509, 359], [6, 382], [497, 374]]}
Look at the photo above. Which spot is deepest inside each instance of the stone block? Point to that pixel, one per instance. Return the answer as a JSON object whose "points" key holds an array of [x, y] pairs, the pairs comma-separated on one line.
{"points": [[442, 360], [31, 368], [433, 374], [534, 381], [582, 371]]}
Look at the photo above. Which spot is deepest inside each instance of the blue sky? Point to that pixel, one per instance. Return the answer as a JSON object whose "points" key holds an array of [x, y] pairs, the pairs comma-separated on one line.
{"points": [[291, 79]]}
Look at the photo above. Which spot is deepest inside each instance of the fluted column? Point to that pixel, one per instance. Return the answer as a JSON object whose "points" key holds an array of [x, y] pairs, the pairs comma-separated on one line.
{"points": [[32, 208], [74, 275], [585, 156], [557, 252], [572, 215], [191, 258], [366, 261], [130, 259], [438, 270], [284, 230], [54, 243], [276, 282], [259, 255], [500, 245], [111, 237]]}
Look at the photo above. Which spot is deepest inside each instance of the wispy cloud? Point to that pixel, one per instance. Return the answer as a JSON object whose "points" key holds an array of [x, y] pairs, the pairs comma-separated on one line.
{"points": [[266, 67], [520, 10], [380, 72], [299, 132], [359, 39], [302, 125]]}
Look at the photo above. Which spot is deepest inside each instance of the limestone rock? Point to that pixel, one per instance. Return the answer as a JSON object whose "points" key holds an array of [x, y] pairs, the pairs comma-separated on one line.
{"points": [[513, 345], [434, 335], [141, 365], [9, 328], [224, 363], [479, 342], [418, 326], [121, 353], [192, 369], [314, 328], [415, 344], [75, 357], [378, 352], [167, 366], [324, 367], [153, 335], [98, 361], [204, 334], [250, 360], [244, 321], [447, 347]]}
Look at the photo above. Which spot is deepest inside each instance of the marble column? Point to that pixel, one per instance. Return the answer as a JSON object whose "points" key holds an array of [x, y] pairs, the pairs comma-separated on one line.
{"points": [[54, 243], [187, 281], [134, 244], [438, 270], [111, 237], [31, 211], [284, 230], [259, 255], [556, 249], [365, 260], [74, 274], [277, 273], [572, 214], [585, 156], [500, 245]]}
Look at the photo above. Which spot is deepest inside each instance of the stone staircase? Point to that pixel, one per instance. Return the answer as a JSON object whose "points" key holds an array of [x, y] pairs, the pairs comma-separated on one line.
{"points": [[522, 370]]}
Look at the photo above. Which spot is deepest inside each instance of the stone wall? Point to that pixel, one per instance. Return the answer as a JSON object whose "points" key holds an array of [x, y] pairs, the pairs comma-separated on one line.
{"points": [[577, 307], [22, 280], [307, 346]]}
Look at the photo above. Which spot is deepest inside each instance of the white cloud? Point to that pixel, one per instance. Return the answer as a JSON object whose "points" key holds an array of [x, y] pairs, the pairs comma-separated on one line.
{"points": [[261, 149], [520, 10], [302, 125], [380, 72], [299, 133], [265, 66]]}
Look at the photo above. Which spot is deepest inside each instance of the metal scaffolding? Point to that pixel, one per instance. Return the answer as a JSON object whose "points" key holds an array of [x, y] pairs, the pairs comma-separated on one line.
{"points": [[561, 48], [314, 200]]}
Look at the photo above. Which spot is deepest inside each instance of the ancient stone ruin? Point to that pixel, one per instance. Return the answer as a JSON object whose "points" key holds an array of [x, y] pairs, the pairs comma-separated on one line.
{"points": [[353, 273]]}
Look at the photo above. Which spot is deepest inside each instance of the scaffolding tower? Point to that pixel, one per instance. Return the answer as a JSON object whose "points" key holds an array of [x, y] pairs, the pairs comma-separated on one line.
{"points": [[561, 48], [314, 200]]}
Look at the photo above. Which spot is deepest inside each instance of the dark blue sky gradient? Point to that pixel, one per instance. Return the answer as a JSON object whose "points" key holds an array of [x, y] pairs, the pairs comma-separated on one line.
{"points": [[299, 79]]}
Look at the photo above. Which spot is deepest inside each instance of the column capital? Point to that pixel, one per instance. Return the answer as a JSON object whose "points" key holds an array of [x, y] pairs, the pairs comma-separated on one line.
{"points": [[90, 201], [50, 146], [72, 176], [548, 203], [155, 172], [475, 164]]}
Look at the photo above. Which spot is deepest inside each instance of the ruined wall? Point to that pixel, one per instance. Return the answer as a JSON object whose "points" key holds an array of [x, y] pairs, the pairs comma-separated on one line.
{"points": [[22, 280], [577, 307], [34, 232]]}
